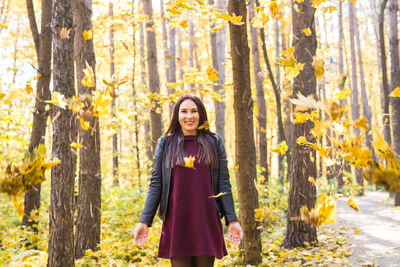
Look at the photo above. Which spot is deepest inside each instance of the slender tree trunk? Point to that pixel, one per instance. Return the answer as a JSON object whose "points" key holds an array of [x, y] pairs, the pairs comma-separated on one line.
{"points": [[172, 61], [245, 149], [385, 82], [15, 70], [180, 56], [191, 50], [88, 221], [302, 192], [144, 83], [154, 81], [113, 104], [262, 109], [395, 80], [61, 236], [355, 104], [341, 87], [43, 51]]}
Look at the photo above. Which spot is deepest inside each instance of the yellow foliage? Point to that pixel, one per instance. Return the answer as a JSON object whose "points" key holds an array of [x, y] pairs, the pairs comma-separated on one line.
{"points": [[301, 140], [212, 74], [292, 68], [336, 111], [281, 149], [274, 9], [323, 213], [352, 204], [362, 123], [319, 68], [87, 34], [88, 80], [396, 92], [28, 88], [259, 215]]}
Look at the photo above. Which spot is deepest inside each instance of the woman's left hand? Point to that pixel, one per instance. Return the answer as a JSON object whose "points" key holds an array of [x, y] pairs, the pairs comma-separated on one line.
{"points": [[235, 232]]}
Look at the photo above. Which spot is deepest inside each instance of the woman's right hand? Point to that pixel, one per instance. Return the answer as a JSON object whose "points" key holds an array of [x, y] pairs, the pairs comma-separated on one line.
{"points": [[141, 234]]}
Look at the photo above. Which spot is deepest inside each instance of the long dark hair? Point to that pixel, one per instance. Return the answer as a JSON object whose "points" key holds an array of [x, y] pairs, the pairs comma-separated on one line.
{"points": [[207, 149]]}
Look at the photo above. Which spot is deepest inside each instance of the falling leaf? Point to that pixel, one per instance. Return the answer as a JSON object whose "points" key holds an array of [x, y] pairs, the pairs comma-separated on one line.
{"points": [[352, 204], [76, 145], [212, 74], [307, 31], [58, 100], [362, 123], [305, 103], [312, 180], [274, 9], [301, 140], [87, 34], [319, 68], [64, 33], [218, 195], [189, 161], [28, 88], [88, 80], [259, 215], [18, 205], [281, 149], [237, 168], [323, 213], [357, 231], [51, 163], [184, 24], [236, 20], [84, 124], [396, 92], [205, 126], [2, 25]]}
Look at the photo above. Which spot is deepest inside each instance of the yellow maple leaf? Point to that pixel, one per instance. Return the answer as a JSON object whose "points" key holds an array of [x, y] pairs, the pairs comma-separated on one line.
{"points": [[281, 149], [218, 195], [76, 145], [205, 126], [307, 31], [212, 74], [396, 92], [352, 204], [319, 68], [87, 34], [88, 80], [259, 215], [28, 88], [236, 20], [58, 100], [189, 161], [64, 33]]}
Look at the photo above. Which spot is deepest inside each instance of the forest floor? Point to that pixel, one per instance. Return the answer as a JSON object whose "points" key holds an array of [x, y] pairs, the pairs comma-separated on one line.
{"points": [[374, 231]]}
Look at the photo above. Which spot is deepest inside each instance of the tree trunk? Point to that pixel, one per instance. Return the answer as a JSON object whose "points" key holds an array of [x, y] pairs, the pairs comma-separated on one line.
{"points": [[191, 50], [154, 81], [88, 221], [172, 62], [355, 104], [61, 236], [395, 80], [262, 109], [43, 51], [244, 144], [385, 82], [364, 98], [144, 83], [112, 72], [218, 43], [302, 192]]}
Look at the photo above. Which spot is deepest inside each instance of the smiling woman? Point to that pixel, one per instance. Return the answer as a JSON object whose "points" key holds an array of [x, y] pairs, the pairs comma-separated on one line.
{"points": [[190, 184]]}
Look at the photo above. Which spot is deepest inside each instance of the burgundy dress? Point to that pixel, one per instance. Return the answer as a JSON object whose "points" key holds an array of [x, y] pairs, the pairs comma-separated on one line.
{"points": [[192, 226]]}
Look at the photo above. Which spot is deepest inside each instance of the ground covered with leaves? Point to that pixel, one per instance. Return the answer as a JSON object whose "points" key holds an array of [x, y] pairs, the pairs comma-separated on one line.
{"points": [[121, 209]]}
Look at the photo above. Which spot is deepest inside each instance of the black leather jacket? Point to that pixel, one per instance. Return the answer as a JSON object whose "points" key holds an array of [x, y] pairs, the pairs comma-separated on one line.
{"points": [[160, 184]]}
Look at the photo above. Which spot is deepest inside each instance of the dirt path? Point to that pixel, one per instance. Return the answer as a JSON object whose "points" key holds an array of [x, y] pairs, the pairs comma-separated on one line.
{"points": [[374, 232]]}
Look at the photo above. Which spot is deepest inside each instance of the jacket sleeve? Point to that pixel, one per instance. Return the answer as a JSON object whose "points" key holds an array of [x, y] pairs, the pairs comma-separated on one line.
{"points": [[224, 184], [155, 188]]}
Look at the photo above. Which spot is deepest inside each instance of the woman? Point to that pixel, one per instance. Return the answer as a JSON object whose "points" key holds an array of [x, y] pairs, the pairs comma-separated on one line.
{"points": [[190, 183]]}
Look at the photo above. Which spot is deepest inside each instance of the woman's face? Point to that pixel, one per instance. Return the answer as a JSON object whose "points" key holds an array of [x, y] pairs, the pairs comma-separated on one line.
{"points": [[189, 117]]}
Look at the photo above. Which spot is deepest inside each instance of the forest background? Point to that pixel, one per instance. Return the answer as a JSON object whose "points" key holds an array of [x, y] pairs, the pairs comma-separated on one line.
{"points": [[133, 60]]}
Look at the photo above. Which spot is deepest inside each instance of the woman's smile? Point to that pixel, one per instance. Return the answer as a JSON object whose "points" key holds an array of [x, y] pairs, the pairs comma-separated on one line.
{"points": [[189, 117]]}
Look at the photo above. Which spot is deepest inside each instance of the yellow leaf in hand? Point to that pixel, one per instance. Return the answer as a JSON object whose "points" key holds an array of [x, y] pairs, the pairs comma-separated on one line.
{"points": [[189, 161], [87, 35], [216, 196], [76, 145], [352, 204]]}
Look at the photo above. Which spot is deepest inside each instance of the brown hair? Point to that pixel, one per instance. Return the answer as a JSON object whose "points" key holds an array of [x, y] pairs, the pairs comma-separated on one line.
{"points": [[207, 149]]}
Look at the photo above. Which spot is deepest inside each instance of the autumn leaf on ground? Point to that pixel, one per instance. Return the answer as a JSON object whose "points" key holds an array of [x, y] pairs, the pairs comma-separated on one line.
{"points": [[352, 204], [87, 34], [218, 195], [76, 145], [64, 33], [205, 126], [189, 161]]}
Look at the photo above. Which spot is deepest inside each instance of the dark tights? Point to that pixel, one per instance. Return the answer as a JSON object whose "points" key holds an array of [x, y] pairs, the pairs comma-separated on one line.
{"points": [[202, 261]]}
